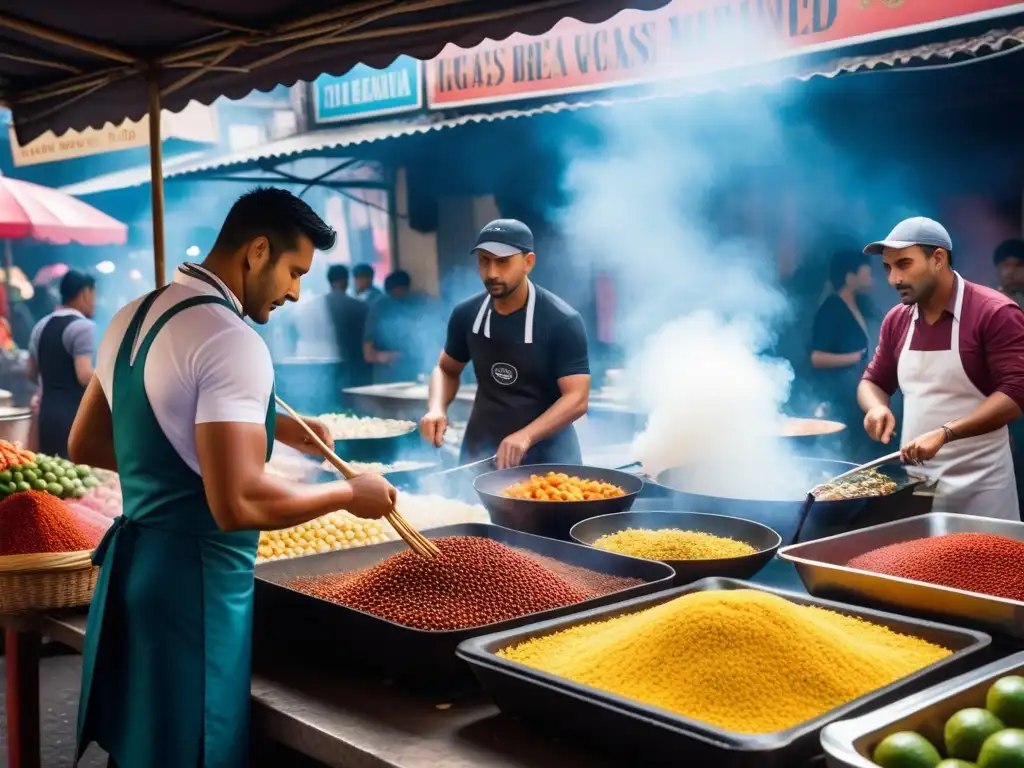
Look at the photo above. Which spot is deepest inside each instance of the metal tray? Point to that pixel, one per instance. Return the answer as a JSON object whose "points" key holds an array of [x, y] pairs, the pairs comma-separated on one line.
{"points": [[653, 732], [822, 566], [285, 617], [849, 743]]}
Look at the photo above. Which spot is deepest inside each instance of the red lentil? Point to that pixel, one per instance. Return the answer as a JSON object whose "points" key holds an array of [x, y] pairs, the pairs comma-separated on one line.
{"points": [[474, 582], [34, 522], [973, 562]]}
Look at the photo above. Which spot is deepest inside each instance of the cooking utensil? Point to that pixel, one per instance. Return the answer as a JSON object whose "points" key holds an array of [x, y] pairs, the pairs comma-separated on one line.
{"points": [[864, 467], [470, 465], [822, 567], [416, 541], [551, 518], [416, 656], [849, 743], [762, 538], [649, 735], [675, 487]]}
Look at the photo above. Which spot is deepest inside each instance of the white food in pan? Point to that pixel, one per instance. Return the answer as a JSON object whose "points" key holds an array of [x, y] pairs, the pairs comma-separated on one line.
{"points": [[345, 427]]}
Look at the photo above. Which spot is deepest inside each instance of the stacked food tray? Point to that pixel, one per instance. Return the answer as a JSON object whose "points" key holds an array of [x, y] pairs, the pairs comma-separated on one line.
{"points": [[822, 566], [416, 656], [850, 743], [650, 735]]}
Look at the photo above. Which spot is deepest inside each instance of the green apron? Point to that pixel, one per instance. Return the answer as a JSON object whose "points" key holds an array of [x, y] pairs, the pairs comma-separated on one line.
{"points": [[169, 636]]}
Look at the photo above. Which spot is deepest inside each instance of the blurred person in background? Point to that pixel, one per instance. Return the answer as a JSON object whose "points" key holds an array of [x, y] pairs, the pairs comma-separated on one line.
{"points": [[956, 350], [1009, 262], [840, 341], [363, 287], [392, 343], [348, 321], [61, 349], [529, 352]]}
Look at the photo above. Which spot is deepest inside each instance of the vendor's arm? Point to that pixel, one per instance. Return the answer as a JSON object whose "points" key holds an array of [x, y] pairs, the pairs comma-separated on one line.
{"points": [[1003, 336], [880, 382], [91, 440], [291, 433], [445, 379], [372, 353], [571, 364], [80, 342]]}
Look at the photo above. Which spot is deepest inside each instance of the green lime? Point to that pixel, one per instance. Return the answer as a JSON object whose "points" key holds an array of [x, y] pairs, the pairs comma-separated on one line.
{"points": [[83, 471], [1005, 700], [967, 730], [59, 471], [49, 477], [23, 486], [55, 488], [954, 763], [29, 475], [1003, 750], [38, 485], [906, 749], [6, 476]]}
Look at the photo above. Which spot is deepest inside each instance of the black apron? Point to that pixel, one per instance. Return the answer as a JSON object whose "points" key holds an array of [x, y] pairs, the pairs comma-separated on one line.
{"points": [[62, 392], [512, 391]]}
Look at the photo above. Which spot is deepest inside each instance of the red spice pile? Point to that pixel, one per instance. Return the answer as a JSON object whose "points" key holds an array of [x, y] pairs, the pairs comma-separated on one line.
{"points": [[974, 562], [34, 523], [474, 582]]}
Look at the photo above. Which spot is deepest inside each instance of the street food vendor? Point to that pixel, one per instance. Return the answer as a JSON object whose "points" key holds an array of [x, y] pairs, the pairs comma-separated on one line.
{"points": [[956, 350], [529, 353], [182, 406]]}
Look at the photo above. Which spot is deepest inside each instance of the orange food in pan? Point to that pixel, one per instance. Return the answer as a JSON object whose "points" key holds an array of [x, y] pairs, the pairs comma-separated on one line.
{"points": [[558, 486]]}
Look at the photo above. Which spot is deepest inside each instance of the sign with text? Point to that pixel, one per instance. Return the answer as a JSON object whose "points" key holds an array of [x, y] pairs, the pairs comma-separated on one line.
{"points": [[685, 38], [366, 92], [196, 122]]}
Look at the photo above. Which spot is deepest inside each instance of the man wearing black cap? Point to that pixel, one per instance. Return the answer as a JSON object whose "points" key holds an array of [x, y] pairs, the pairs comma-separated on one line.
{"points": [[956, 350], [61, 349], [529, 353]]}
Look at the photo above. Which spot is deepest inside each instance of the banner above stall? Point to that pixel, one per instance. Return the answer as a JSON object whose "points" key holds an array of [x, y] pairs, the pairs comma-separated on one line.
{"points": [[683, 39], [365, 92]]}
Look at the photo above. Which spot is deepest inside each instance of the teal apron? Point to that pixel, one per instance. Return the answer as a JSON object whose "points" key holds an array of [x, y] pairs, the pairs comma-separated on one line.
{"points": [[169, 635]]}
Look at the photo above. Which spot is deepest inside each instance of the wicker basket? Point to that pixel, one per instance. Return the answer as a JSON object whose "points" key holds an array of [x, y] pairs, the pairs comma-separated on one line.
{"points": [[46, 582]]}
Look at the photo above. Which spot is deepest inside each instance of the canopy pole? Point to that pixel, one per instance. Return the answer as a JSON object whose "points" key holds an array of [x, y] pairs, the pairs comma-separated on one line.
{"points": [[156, 172]]}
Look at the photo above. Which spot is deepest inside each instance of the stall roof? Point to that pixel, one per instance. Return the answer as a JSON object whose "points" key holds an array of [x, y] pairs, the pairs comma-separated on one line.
{"points": [[196, 165], [68, 64]]}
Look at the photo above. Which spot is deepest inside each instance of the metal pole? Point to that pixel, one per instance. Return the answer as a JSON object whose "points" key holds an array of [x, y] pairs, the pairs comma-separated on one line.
{"points": [[156, 171]]}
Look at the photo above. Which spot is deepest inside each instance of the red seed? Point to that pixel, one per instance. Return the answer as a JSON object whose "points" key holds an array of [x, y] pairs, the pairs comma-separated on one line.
{"points": [[474, 582], [34, 522], [973, 562]]}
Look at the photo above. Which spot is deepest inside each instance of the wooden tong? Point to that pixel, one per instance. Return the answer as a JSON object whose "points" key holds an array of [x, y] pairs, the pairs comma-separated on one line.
{"points": [[419, 543]]}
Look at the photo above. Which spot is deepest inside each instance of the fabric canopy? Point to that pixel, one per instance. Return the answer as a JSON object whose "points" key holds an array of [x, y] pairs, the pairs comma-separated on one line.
{"points": [[29, 210], [68, 64]]}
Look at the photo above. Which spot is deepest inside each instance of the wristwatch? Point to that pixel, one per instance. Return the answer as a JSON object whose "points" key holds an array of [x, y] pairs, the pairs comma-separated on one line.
{"points": [[950, 434]]}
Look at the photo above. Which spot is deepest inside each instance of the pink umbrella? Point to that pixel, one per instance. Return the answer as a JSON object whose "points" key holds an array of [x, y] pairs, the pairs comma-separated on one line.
{"points": [[29, 210]]}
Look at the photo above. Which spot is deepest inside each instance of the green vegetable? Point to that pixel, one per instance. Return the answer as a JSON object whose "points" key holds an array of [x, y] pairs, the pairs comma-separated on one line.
{"points": [[55, 488], [23, 486]]}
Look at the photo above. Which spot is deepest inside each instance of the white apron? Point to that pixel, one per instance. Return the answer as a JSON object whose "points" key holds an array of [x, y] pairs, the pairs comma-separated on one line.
{"points": [[975, 474]]}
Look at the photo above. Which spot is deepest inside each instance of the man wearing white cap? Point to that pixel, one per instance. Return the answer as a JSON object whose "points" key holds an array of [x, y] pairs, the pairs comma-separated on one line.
{"points": [[956, 350]]}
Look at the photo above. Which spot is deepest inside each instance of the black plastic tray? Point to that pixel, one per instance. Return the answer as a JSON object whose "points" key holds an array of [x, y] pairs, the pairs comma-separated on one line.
{"points": [[654, 733], [286, 618]]}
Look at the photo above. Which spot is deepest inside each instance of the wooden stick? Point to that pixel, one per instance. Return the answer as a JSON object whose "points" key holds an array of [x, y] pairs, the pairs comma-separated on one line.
{"points": [[416, 540]]}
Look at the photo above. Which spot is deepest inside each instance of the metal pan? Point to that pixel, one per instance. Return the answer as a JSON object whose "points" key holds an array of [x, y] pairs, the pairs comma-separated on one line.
{"points": [[849, 743], [417, 657], [404, 479], [551, 518], [382, 449], [760, 537], [659, 736], [784, 515], [822, 567]]}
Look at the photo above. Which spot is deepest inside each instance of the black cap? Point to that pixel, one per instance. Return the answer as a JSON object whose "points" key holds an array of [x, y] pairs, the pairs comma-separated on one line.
{"points": [[73, 283], [504, 238]]}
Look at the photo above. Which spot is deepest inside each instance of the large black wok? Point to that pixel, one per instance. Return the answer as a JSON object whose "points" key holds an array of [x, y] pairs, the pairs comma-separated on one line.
{"points": [[783, 515], [551, 518]]}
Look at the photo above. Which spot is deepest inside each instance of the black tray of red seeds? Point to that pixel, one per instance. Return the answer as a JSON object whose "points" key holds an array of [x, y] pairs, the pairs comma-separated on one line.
{"points": [[405, 617]]}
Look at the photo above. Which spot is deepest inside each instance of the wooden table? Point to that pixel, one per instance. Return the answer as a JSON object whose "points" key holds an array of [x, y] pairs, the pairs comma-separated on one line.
{"points": [[338, 720]]}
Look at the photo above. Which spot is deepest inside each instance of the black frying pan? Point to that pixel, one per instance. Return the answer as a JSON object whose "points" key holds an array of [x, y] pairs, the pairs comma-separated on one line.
{"points": [[551, 518]]}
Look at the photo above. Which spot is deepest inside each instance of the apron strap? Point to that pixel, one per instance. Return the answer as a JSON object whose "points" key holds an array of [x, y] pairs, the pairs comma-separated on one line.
{"points": [[483, 315]]}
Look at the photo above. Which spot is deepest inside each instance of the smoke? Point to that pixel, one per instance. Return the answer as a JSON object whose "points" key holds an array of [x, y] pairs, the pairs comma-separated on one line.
{"points": [[656, 202]]}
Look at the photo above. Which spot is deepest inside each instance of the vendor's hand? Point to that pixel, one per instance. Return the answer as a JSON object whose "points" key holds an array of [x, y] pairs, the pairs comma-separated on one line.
{"points": [[372, 496], [512, 450], [433, 426], [923, 448], [389, 358], [879, 423], [321, 431]]}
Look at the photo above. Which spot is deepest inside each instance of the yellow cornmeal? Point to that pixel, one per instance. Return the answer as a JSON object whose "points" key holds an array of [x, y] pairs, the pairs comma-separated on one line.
{"points": [[745, 661], [672, 544]]}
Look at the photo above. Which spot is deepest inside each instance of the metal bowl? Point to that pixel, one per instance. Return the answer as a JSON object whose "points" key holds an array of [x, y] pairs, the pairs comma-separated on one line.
{"points": [[551, 518], [760, 537], [379, 449]]}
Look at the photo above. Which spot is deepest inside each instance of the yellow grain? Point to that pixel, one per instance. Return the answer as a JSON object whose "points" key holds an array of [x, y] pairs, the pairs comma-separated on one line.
{"points": [[673, 544], [745, 661]]}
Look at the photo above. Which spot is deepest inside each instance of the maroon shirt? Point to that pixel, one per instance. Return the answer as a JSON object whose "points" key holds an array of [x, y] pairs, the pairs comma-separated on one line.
{"points": [[991, 342]]}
